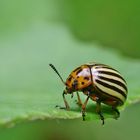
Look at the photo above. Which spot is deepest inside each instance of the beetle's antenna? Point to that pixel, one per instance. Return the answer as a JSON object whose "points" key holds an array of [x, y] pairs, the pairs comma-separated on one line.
{"points": [[53, 67]]}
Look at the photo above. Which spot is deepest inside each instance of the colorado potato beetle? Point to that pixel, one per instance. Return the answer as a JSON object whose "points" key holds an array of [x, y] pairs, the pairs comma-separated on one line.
{"points": [[99, 82]]}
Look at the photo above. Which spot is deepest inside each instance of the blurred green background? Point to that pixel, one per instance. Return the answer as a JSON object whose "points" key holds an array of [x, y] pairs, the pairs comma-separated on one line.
{"points": [[29, 28]]}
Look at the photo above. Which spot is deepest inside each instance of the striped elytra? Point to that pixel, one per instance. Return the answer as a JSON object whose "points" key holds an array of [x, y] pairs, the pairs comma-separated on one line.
{"points": [[100, 83], [109, 82]]}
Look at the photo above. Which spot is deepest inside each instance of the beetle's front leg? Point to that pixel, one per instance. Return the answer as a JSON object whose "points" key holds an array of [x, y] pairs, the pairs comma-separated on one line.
{"points": [[65, 102]]}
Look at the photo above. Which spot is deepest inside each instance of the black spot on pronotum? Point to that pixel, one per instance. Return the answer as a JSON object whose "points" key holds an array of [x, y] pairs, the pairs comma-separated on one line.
{"points": [[86, 78], [78, 71], [82, 83]]}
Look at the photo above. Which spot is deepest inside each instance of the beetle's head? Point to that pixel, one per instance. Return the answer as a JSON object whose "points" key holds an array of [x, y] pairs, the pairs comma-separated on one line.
{"points": [[71, 84], [69, 90]]}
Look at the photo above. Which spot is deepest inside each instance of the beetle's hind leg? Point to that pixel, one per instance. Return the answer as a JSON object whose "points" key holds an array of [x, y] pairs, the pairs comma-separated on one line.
{"points": [[98, 110], [117, 115]]}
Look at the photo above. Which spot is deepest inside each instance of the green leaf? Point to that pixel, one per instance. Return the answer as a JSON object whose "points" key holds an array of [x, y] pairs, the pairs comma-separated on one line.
{"points": [[30, 90]]}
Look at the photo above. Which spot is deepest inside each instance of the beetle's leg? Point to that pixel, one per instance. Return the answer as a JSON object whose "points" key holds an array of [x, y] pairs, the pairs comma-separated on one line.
{"points": [[117, 112], [79, 102], [65, 101], [84, 108], [98, 110]]}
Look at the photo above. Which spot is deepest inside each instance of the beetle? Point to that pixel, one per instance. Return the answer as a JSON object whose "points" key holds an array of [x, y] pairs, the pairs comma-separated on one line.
{"points": [[99, 82]]}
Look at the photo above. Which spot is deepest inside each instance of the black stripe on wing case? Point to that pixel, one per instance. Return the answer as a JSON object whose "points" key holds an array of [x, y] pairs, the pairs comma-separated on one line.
{"points": [[111, 87], [112, 74], [113, 81], [106, 67], [105, 93]]}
